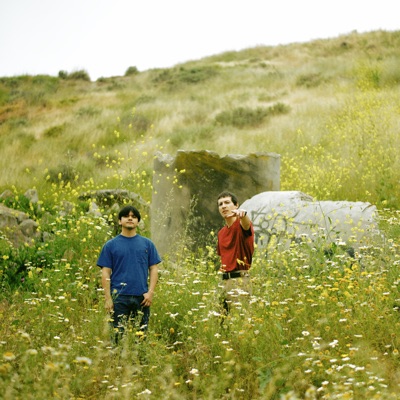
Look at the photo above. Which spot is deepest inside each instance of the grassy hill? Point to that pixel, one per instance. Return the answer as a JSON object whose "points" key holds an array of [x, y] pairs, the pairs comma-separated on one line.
{"points": [[320, 322], [329, 107]]}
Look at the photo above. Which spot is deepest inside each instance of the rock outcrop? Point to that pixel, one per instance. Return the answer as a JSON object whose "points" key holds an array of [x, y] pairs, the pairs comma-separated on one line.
{"points": [[17, 227]]}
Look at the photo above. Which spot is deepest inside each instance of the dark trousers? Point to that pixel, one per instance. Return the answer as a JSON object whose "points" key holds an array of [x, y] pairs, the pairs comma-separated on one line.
{"points": [[127, 309]]}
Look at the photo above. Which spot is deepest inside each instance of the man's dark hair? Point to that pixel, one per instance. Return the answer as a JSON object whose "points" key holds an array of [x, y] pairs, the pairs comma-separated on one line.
{"points": [[124, 212], [233, 197]]}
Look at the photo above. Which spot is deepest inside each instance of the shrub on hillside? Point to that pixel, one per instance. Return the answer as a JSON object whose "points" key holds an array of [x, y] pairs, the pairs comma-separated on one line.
{"points": [[195, 75], [242, 117], [81, 75], [63, 172], [54, 131], [309, 80], [131, 71], [88, 111], [186, 75], [278, 109], [63, 74]]}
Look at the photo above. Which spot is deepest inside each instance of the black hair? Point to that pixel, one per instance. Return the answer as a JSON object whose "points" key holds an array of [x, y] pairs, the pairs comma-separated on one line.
{"points": [[124, 212], [225, 193]]}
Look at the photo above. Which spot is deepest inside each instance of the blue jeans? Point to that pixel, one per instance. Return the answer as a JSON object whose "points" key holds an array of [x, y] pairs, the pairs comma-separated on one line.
{"points": [[127, 309]]}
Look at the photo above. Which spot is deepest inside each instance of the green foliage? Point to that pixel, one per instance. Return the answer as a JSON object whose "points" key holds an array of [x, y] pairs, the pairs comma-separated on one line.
{"points": [[131, 71], [309, 80], [79, 75], [21, 203], [69, 101], [54, 131], [67, 235], [195, 75], [15, 265], [279, 109], [62, 173], [4, 96], [32, 90], [63, 74], [243, 117]]}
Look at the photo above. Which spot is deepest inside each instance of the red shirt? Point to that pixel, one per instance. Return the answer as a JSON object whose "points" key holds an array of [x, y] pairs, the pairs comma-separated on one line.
{"points": [[235, 247]]}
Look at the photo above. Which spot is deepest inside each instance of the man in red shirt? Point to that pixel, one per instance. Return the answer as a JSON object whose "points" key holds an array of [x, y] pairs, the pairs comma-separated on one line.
{"points": [[235, 247]]}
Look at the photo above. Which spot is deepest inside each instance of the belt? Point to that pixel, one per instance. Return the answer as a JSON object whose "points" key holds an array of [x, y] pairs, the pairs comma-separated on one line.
{"points": [[231, 275]]}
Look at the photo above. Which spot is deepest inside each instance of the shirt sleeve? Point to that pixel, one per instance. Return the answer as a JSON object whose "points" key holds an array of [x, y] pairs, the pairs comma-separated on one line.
{"points": [[105, 257]]}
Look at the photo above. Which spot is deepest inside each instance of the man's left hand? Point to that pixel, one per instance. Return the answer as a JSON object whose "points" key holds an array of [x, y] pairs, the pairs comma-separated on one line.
{"points": [[148, 299]]}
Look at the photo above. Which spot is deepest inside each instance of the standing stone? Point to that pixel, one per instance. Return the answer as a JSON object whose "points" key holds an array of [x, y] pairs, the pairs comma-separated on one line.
{"points": [[185, 189]]}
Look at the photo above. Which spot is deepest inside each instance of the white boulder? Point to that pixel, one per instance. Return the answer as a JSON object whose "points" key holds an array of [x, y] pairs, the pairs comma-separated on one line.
{"points": [[284, 216]]}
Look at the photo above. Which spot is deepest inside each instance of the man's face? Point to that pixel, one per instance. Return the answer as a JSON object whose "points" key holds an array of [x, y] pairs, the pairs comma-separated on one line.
{"points": [[225, 206], [129, 222]]}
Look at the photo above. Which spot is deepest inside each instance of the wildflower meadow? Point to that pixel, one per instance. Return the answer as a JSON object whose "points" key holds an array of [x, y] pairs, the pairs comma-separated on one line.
{"points": [[318, 324]]}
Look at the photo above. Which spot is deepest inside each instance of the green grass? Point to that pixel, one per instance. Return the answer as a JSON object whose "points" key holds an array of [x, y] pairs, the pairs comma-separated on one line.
{"points": [[313, 324]]}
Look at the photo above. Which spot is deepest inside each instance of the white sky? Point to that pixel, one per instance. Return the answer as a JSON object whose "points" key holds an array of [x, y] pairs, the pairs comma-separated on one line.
{"points": [[105, 37]]}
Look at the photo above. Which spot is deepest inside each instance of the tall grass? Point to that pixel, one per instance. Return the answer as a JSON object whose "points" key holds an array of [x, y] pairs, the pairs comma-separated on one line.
{"points": [[357, 150], [314, 327]]}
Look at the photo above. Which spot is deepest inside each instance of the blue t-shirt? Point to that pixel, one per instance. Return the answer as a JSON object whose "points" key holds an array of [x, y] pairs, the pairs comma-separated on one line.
{"points": [[130, 259]]}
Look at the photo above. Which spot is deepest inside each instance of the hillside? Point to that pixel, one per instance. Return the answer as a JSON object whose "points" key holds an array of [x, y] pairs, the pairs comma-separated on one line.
{"points": [[321, 322], [329, 107]]}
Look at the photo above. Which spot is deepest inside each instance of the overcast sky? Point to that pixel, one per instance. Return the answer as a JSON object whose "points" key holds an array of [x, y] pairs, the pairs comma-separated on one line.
{"points": [[105, 37]]}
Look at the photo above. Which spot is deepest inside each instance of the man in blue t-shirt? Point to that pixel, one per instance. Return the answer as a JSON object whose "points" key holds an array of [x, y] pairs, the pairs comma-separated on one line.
{"points": [[129, 265]]}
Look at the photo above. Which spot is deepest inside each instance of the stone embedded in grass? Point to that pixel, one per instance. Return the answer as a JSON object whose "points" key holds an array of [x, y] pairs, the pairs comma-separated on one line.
{"points": [[286, 216]]}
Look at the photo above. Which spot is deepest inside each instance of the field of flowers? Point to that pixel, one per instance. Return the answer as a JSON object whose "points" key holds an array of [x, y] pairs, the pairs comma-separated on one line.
{"points": [[318, 325]]}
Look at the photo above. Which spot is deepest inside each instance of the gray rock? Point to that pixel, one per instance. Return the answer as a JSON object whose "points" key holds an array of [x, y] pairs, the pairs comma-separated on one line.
{"points": [[6, 194], [17, 226], [28, 228], [11, 217], [32, 195], [280, 217], [94, 209]]}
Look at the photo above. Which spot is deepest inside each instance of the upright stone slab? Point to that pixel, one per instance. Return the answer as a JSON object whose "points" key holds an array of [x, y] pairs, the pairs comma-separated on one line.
{"points": [[185, 190]]}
